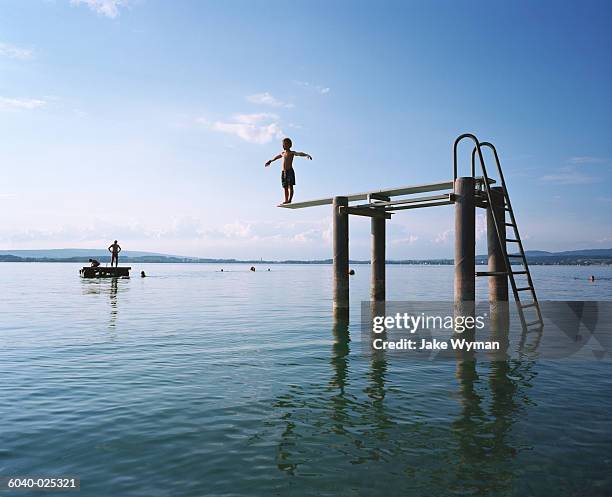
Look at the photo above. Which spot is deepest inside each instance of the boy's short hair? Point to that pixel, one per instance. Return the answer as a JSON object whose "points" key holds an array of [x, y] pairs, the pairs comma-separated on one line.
{"points": [[288, 141]]}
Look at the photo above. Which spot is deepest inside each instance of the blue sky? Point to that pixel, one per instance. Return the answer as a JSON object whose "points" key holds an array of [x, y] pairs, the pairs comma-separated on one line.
{"points": [[150, 121]]}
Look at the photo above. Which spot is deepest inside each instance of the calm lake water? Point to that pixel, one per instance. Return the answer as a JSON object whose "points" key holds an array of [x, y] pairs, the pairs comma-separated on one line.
{"points": [[193, 382]]}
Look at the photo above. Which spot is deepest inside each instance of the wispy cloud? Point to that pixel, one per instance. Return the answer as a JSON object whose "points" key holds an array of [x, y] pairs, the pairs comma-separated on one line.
{"points": [[306, 233], [108, 8], [310, 86], [443, 237], [587, 159], [15, 52], [481, 226], [268, 99], [568, 176], [257, 128], [408, 240], [21, 103]]}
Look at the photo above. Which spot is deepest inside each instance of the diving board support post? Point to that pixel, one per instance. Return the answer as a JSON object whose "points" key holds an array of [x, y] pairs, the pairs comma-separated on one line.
{"points": [[377, 291], [340, 230], [498, 283], [465, 240], [499, 310]]}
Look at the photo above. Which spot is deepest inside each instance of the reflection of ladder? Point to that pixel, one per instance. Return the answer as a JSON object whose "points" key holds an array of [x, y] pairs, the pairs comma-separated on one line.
{"points": [[518, 287]]}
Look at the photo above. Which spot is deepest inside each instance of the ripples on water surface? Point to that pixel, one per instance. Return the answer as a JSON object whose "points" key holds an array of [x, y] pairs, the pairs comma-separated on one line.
{"points": [[194, 382]]}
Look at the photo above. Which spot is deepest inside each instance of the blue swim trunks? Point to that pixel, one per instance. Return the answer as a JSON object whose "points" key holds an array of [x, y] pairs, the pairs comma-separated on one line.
{"points": [[288, 178]]}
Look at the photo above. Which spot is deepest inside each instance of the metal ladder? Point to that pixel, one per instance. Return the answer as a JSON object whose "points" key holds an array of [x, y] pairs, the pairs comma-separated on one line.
{"points": [[503, 240]]}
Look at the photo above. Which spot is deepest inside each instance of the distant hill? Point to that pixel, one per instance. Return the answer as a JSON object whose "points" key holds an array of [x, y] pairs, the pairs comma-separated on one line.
{"points": [[571, 257], [572, 253]]}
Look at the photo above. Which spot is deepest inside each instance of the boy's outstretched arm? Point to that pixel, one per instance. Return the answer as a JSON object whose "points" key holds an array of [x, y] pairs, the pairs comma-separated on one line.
{"points": [[303, 154], [272, 160]]}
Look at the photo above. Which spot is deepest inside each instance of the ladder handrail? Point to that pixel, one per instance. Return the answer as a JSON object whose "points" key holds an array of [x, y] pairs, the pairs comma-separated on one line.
{"points": [[507, 207], [515, 225], [513, 222], [455, 145]]}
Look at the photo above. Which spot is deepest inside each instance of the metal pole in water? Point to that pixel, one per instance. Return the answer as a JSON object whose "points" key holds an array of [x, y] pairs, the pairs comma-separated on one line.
{"points": [[377, 291], [499, 311], [465, 240], [341, 253], [498, 285]]}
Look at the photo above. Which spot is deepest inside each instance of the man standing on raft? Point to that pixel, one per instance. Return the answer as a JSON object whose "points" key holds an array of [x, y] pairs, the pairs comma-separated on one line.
{"points": [[288, 174], [114, 249]]}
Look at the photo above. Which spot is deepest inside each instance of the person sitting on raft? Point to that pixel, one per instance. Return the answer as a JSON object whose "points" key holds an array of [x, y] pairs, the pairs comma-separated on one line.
{"points": [[94, 263]]}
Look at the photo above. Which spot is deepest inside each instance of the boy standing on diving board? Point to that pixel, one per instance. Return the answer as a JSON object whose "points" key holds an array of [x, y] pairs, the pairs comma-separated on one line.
{"points": [[288, 174]]}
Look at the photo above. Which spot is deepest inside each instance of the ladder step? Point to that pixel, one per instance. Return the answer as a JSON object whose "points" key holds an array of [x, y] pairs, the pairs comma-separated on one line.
{"points": [[524, 288], [512, 240], [508, 209], [491, 273], [531, 304], [537, 321], [510, 224], [519, 272], [515, 255]]}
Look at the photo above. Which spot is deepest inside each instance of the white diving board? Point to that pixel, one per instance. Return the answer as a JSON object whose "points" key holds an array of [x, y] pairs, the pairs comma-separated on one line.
{"points": [[390, 192]]}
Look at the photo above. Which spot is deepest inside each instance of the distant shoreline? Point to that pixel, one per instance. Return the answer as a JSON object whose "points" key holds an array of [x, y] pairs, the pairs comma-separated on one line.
{"points": [[584, 257], [480, 260]]}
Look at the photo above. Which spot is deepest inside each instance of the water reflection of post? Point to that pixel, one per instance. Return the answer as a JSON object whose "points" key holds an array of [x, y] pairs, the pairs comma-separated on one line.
{"points": [[485, 447], [340, 349], [503, 389], [470, 469], [288, 446], [113, 302], [378, 369]]}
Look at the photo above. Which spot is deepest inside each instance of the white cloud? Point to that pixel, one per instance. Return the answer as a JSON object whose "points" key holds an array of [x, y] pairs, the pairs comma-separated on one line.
{"points": [[14, 52], [443, 237], [568, 176], [253, 128], [255, 118], [21, 103], [108, 8], [481, 225], [323, 90], [408, 240], [297, 233], [267, 99], [587, 159]]}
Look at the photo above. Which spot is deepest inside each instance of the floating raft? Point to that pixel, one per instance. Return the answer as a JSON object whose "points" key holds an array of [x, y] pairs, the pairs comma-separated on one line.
{"points": [[105, 272]]}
